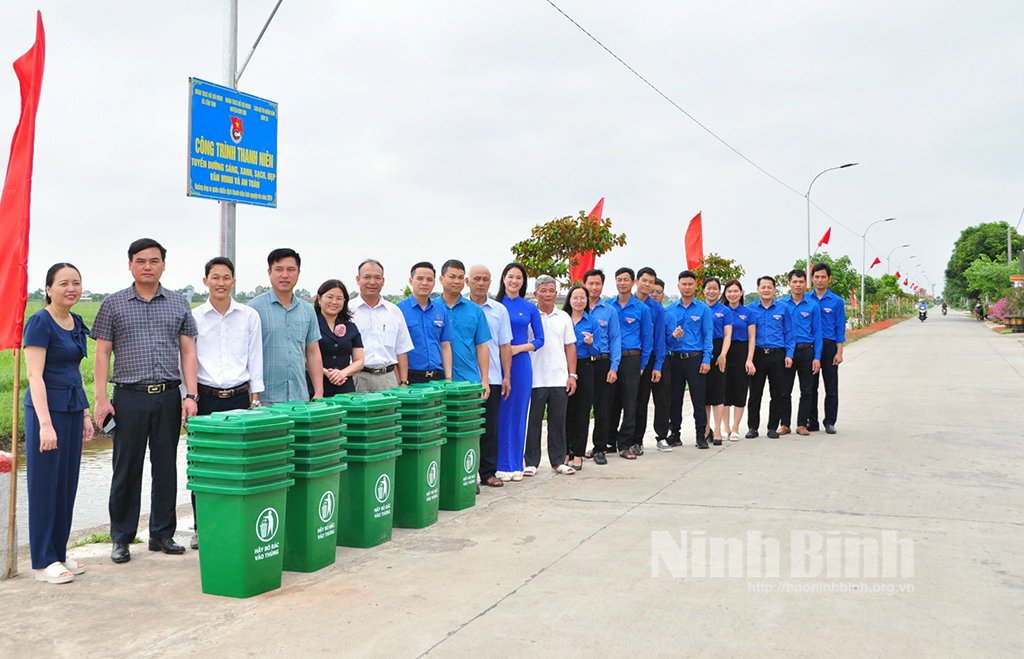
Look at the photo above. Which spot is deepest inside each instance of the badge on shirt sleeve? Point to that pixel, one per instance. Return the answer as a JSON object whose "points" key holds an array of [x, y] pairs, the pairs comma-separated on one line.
{"points": [[743, 317], [602, 323], [720, 315]]}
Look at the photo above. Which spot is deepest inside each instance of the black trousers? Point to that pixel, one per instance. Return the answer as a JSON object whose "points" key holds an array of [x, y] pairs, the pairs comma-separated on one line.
{"points": [[153, 419], [643, 400], [686, 374], [662, 393], [554, 400], [419, 377], [623, 407], [770, 367], [602, 406], [803, 365], [577, 411], [489, 440], [208, 405], [830, 374]]}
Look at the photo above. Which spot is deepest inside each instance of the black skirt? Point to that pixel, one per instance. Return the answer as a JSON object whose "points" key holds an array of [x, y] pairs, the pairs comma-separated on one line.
{"points": [[736, 379], [714, 383]]}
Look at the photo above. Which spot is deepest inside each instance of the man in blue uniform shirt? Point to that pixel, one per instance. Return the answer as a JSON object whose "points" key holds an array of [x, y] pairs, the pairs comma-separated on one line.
{"points": [[773, 354], [470, 333], [806, 353], [636, 330], [689, 358], [606, 366], [833, 334], [655, 378], [429, 326]]}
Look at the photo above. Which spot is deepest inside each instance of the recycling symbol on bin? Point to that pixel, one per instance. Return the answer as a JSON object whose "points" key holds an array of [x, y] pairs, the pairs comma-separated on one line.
{"points": [[470, 462], [432, 473], [382, 488], [266, 525], [327, 506]]}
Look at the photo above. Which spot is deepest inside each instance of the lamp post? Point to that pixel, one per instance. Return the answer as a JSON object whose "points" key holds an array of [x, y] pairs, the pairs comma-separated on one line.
{"points": [[808, 198], [887, 258], [864, 264]]}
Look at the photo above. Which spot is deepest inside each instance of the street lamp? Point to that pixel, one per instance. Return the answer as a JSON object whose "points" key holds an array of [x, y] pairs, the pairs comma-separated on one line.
{"points": [[863, 262], [808, 198], [890, 255]]}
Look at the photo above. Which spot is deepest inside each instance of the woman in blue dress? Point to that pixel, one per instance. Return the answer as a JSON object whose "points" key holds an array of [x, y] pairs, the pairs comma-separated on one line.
{"points": [[57, 421], [512, 413]]}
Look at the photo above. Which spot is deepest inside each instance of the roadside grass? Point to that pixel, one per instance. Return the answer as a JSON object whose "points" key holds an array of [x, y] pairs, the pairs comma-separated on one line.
{"points": [[99, 538]]}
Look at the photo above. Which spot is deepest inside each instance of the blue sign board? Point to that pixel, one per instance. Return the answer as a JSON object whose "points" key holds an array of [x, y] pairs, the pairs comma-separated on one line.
{"points": [[232, 145]]}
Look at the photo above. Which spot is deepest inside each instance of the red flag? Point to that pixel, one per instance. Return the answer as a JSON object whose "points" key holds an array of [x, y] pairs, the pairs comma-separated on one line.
{"points": [[897, 275], [853, 299], [585, 262], [16, 196], [876, 262], [905, 282], [824, 239], [694, 243]]}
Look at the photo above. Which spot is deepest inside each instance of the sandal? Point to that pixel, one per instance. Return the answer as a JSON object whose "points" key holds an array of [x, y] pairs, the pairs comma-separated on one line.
{"points": [[530, 471], [578, 467], [517, 476], [564, 469], [55, 573], [74, 567], [627, 454]]}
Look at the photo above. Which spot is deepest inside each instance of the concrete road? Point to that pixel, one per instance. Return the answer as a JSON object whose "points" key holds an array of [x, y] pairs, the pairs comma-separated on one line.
{"points": [[928, 455]]}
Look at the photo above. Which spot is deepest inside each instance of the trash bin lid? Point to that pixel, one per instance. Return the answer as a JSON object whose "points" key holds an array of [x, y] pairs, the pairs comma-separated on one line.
{"points": [[364, 403], [416, 395], [239, 422], [240, 490], [420, 446], [306, 413], [459, 390]]}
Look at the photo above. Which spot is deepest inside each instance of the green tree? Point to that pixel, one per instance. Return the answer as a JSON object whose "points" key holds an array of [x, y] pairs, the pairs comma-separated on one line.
{"points": [[844, 277], [989, 277], [987, 239], [713, 265], [551, 246], [37, 295]]}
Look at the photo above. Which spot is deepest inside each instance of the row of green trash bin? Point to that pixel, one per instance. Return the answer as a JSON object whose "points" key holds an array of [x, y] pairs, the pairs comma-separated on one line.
{"points": [[280, 487]]}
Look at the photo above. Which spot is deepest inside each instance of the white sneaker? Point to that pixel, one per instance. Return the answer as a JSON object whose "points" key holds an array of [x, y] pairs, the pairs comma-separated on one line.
{"points": [[530, 471], [735, 437], [517, 476], [503, 476], [663, 446]]}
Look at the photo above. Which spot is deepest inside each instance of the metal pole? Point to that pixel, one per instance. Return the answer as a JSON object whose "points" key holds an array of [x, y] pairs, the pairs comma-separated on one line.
{"points": [[257, 42], [888, 258], [227, 208], [12, 547], [808, 198], [1009, 245]]}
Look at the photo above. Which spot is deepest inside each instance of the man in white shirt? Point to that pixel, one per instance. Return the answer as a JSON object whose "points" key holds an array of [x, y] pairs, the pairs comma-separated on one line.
{"points": [[499, 349], [385, 335], [554, 380], [229, 349]]}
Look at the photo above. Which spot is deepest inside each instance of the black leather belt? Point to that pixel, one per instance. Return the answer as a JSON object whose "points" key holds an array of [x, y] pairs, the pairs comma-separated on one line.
{"points": [[769, 351], [156, 388], [379, 371], [685, 355], [600, 358], [425, 374], [832, 341], [805, 345], [630, 353], [224, 393]]}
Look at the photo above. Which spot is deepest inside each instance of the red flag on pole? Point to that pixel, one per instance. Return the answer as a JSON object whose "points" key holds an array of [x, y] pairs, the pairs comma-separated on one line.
{"points": [[694, 243], [876, 262], [824, 239], [897, 275], [853, 299], [585, 261], [16, 196], [905, 282]]}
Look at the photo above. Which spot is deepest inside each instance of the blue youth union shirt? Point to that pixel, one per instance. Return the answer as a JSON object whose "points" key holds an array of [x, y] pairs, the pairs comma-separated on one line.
{"points": [[469, 330], [611, 336], [635, 327], [806, 321], [428, 329], [698, 328], [721, 316], [658, 329], [833, 316], [774, 326], [587, 324]]}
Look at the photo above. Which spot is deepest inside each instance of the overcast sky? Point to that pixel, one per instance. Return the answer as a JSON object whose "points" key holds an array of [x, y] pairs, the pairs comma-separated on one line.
{"points": [[435, 130]]}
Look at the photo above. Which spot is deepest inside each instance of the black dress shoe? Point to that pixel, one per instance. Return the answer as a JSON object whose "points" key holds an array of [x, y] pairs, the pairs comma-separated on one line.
{"points": [[674, 441], [194, 542], [751, 434], [813, 428], [773, 434], [120, 553], [716, 442], [830, 429], [166, 545], [702, 442], [599, 458]]}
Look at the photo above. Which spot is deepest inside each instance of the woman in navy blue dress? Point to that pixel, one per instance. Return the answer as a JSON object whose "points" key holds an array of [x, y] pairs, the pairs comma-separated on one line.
{"points": [[341, 345], [57, 421], [523, 316]]}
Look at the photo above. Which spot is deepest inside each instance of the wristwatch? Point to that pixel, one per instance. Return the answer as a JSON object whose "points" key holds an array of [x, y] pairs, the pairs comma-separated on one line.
{"points": [[191, 397], [573, 375], [403, 382]]}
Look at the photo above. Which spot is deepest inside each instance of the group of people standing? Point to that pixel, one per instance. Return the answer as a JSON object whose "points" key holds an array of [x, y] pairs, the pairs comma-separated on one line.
{"points": [[591, 358]]}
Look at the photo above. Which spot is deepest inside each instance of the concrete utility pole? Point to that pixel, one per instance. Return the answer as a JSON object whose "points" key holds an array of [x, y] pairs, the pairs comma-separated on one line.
{"points": [[228, 208]]}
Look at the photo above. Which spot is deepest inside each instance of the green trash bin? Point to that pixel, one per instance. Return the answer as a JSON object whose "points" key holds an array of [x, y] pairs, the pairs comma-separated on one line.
{"points": [[418, 484], [459, 391], [463, 425], [370, 423], [310, 537], [311, 416], [237, 448], [364, 404], [366, 500], [421, 436], [206, 459], [318, 448], [460, 464], [220, 477], [242, 537], [320, 461]]}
